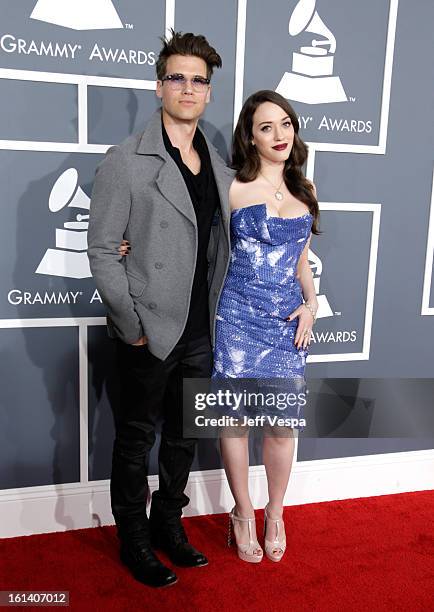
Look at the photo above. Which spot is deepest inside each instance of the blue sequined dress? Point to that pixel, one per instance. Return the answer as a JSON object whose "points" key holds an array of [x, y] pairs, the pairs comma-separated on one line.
{"points": [[253, 337]]}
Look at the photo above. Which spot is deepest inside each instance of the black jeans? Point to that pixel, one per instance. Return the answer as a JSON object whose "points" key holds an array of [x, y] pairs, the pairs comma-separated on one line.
{"points": [[151, 391]]}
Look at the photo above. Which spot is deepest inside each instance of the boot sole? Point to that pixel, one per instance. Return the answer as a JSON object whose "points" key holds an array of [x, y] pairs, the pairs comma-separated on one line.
{"points": [[139, 578]]}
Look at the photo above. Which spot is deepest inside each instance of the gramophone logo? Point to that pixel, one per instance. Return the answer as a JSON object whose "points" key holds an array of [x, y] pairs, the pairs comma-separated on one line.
{"points": [[69, 258], [78, 14], [324, 309], [311, 80]]}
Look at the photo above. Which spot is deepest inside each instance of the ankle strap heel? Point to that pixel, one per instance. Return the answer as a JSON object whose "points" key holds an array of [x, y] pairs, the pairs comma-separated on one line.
{"points": [[251, 552], [275, 549]]}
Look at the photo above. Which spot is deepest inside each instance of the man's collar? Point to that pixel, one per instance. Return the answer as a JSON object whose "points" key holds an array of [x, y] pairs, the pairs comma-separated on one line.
{"points": [[198, 140], [151, 141]]}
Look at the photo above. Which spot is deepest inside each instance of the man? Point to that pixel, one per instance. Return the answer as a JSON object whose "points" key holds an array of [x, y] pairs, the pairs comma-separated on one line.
{"points": [[165, 191]]}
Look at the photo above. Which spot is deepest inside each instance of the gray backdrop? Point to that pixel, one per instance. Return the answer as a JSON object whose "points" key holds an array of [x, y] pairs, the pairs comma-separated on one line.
{"points": [[366, 182]]}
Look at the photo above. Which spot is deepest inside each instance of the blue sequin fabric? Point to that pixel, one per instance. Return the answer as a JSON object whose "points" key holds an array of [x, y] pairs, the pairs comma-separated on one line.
{"points": [[253, 337]]}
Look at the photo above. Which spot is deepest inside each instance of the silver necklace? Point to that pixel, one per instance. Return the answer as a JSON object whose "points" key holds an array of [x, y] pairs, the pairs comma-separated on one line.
{"points": [[278, 194]]}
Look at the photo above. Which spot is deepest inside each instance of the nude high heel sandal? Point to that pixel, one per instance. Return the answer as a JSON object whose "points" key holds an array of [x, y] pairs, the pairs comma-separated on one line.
{"points": [[274, 549], [246, 552]]}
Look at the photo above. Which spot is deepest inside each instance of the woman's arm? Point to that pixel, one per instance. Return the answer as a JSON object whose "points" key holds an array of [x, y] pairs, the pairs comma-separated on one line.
{"points": [[306, 313], [304, 275], [304, 272]]}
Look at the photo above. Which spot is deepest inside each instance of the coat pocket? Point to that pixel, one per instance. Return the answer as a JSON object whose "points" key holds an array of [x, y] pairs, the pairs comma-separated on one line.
{"points": [[136, 284]]}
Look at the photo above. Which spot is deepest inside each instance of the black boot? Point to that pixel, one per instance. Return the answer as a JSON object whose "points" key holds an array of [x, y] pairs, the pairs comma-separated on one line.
{"points": [[138, 556], [171, 538], [145, 565]]}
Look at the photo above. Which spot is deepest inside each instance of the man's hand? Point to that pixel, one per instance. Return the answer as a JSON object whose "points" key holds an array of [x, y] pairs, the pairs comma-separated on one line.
{"points": [[141, 341]]}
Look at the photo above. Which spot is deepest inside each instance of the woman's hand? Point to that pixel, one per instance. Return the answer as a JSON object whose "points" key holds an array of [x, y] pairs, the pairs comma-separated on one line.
{"points": [[124, 248], [141, 341], [304, 327]]}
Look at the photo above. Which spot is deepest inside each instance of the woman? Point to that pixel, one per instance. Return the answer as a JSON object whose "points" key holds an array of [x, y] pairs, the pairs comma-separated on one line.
{"points": [[268, 304], [263, 325]]}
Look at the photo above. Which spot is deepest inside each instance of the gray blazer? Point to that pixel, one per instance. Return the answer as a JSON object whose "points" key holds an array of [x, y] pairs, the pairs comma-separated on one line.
{"points": [[139, 194]]}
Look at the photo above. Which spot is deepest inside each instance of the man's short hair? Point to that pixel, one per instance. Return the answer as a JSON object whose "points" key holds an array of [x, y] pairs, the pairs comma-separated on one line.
{"points": [[187, 44]]}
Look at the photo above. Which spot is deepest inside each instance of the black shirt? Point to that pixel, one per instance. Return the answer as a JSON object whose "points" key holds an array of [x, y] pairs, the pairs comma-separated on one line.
{"points": [[205, 198]]}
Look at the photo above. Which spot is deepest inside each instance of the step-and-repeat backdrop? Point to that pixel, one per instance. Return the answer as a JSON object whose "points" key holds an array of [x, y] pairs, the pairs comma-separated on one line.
{"points": [[77, 76]]}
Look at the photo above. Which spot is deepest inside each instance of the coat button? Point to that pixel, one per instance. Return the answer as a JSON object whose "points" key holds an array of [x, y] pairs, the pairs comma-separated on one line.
{"points": [[158, 265], [164, 224], [152, 305]]}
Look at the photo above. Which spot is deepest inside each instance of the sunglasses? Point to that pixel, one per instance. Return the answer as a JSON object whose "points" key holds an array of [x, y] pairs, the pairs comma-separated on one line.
{"points": [[178, 81]]}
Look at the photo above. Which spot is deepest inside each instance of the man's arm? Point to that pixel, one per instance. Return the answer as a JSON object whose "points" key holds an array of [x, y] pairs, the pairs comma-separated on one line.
{"points": [[109, 214]]}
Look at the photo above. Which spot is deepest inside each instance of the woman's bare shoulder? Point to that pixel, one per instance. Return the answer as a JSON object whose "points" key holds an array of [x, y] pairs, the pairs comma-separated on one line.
{"points": [[239, 193], [236, 185]]}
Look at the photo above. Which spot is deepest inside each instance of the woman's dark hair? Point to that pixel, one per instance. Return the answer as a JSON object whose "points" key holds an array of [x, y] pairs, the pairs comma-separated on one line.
{"points": [[245, 158], [187, 44]]}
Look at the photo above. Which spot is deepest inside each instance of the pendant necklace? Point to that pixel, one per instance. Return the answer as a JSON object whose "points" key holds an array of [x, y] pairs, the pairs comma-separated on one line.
{"points": [[278, 194]]}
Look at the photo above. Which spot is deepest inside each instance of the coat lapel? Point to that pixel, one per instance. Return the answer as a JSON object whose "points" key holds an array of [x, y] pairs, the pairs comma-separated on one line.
{"points": [[169, 180], [171, 184]]}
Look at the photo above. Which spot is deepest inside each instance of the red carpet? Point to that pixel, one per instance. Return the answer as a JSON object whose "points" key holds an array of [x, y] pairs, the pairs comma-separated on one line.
{"points": [[368, 554]]}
